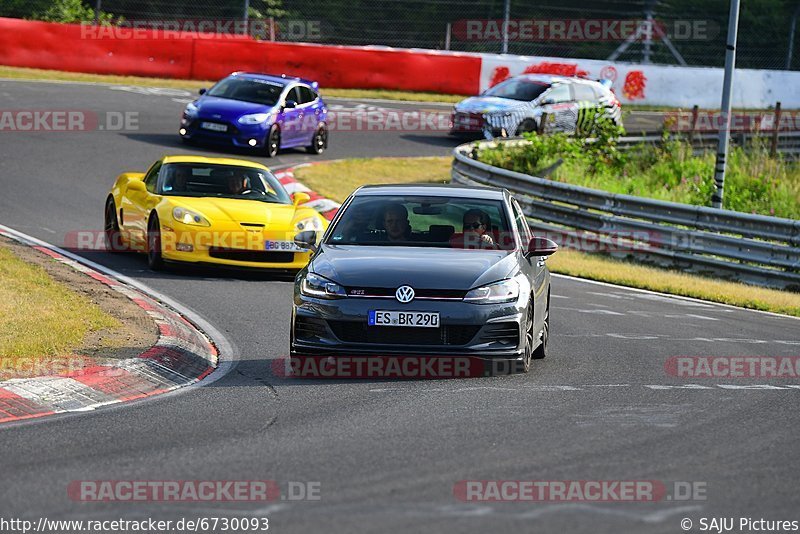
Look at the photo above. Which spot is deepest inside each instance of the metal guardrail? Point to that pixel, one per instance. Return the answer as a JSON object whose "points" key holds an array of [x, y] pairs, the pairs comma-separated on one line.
{"points": [[757, 249], [786, 143]]}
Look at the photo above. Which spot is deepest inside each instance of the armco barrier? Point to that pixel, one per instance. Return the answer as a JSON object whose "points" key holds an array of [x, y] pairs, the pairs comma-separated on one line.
{"points": [[753, 248], [75, 48]]}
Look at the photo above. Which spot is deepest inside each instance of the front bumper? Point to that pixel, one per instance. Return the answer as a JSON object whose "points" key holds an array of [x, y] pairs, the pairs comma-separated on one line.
{"points": [[237, 135], [339, 326], [230, 248]]}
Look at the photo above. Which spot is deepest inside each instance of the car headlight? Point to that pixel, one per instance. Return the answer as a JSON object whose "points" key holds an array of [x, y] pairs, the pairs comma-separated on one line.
{"points": [[182, 215], [311, 223], [497, 292], [191, 111], [314, 285], [254, 118]]}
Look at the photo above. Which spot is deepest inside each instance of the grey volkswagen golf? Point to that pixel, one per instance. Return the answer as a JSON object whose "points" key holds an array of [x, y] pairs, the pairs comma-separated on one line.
{"points": [[429, 270]]}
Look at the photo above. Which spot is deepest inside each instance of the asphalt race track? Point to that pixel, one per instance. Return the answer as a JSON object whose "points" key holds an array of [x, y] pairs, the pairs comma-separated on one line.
{"points": [[388, 453]]}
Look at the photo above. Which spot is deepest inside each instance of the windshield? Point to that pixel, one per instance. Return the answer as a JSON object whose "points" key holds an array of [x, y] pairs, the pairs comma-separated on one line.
{"points": [[518, 89], [226, 181], [248, 90], [434, 221]]}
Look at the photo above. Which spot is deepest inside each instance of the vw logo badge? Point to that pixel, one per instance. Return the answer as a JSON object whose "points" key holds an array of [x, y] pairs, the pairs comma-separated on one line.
{"points": [[404, 294]]}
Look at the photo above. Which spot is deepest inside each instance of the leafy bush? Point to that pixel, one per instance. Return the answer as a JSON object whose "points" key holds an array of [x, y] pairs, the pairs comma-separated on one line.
{"points": [[70, 11], [755, 182]]}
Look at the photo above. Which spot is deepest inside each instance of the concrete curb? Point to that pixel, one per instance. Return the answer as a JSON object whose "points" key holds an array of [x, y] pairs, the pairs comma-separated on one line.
{"points": [[182, 355]]}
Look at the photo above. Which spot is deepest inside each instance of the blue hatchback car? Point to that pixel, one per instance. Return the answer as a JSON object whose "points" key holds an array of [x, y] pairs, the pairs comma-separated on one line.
{"points": [[259, 111]]}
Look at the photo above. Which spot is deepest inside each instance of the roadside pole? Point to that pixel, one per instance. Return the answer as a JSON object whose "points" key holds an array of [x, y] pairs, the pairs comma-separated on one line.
{"points": [[725, 127]]}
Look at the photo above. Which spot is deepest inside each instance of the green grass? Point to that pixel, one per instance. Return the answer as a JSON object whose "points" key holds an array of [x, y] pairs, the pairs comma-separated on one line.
{"points": [[141, 81], [338, 178], [754, 182], [604, 269], [193, 85], [39, 317]]}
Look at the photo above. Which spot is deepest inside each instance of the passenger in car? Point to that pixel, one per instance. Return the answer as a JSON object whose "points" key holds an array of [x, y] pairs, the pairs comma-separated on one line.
{"points": [[477, 231]]}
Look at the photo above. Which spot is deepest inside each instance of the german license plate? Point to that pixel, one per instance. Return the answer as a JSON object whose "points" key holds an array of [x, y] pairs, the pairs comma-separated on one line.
{"points": [[289, 246], [214, 126], [398, 318]]}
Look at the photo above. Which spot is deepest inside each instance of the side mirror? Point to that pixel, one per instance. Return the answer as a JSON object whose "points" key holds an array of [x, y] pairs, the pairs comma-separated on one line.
{"points": [[307, 240], [136, 186], [541, 246], [202, 91], [548, 101], [290, 104], [300, 198]]}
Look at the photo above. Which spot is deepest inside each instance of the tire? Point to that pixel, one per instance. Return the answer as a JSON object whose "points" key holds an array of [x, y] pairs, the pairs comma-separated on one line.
{"points": [[541, 350], [273, 143], [319, 142], [154, 258], [111, 227], [528, 125], [524, 365]]}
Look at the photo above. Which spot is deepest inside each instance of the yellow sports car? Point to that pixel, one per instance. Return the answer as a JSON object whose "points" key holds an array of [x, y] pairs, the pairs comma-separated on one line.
{"points": [[209, 211]]}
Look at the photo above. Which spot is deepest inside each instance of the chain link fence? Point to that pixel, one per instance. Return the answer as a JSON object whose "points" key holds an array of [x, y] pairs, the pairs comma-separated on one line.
{"points": [[674, 32]]}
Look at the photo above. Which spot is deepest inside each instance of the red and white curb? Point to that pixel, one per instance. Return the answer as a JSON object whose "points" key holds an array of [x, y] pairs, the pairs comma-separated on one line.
{"points": [[325, 206], [182, 355]]}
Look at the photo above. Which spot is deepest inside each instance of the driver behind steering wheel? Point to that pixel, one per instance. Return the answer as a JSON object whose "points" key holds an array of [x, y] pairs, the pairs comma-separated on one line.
{"points": [[239, 185]]}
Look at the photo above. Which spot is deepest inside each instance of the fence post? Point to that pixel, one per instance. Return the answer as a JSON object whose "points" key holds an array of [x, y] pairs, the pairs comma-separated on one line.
{"points": [[773, 149], [542, 123], [447, 36], [272, 29], [695, 115]]}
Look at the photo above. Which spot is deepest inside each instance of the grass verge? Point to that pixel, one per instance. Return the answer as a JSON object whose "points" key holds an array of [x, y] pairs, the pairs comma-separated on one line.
{"points": [[141, 81], [54, 319], [624, 273], [337, 179], [41, 317], [192, 85]]}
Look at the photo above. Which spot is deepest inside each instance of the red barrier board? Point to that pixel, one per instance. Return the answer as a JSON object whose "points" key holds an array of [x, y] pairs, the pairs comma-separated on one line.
{"points": [[80, 48]]}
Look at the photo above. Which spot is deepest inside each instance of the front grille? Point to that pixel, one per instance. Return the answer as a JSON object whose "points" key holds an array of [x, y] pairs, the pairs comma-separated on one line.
{"points": [[361, 332], [309, 327], [468, 121], [456, 294], [260, 256], [506, 333]]}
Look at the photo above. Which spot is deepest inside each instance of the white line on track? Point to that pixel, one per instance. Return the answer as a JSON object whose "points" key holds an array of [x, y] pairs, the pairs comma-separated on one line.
{"points": [[671, 297]]}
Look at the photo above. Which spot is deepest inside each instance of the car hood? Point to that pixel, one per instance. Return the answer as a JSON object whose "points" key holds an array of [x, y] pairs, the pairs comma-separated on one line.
{"points": [[221, 210], [488, 104], [419, 267], [208, 106]]}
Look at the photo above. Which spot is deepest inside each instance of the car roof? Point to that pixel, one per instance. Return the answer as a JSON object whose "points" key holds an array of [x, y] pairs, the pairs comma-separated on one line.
{"points": [[553, 78], [459, 191], [280, 78], [182, 158]]}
